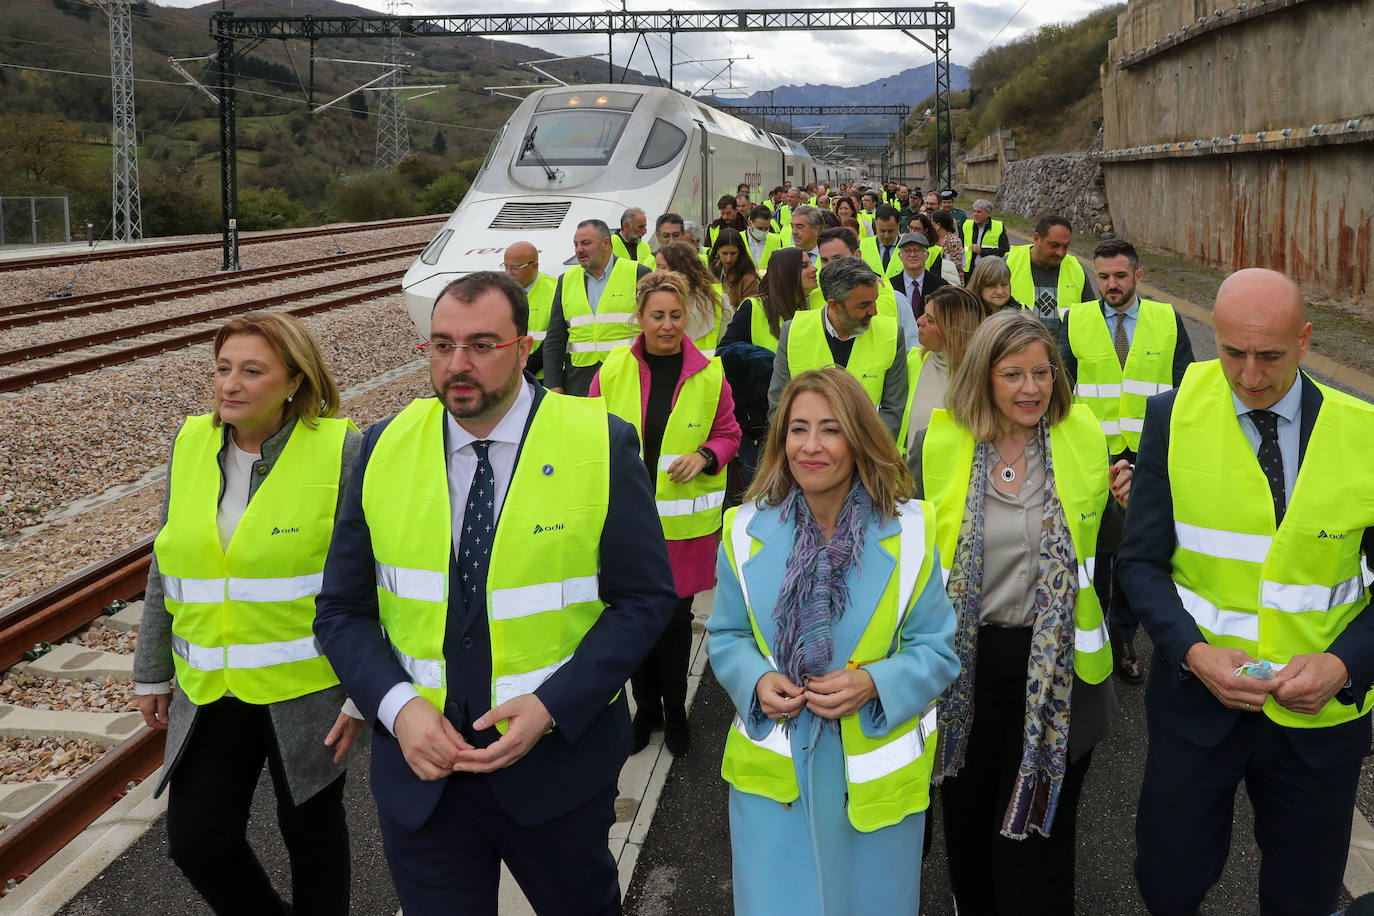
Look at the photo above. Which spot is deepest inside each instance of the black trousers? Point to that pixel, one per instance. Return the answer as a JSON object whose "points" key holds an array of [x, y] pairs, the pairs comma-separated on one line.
{"points": [[207, 817], [990, 874], [1187, 805], [452, 864], [660, 681]]}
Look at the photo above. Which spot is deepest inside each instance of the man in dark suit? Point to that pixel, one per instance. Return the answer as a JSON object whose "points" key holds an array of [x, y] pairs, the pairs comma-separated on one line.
{"points": [[1117, 268], [1237, 570], [914, 283], [463, 648]]}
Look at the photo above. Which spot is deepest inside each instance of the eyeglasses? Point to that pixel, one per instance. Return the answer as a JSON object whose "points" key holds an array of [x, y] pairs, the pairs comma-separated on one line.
{"points": [[912, 251], [443, 350], [518, 267], [1015, 378]]}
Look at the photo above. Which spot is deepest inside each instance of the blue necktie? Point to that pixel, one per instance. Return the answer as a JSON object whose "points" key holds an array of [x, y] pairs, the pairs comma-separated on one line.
{"points": [[1270, 458], [479, 525]]}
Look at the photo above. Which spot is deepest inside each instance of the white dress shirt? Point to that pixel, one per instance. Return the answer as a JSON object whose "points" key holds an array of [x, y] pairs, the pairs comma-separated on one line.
{"points": [[462, 465]]}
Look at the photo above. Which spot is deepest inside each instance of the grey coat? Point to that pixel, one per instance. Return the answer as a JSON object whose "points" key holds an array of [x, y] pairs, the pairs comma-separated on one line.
{"points": [[1094, 705], [301, 724]]}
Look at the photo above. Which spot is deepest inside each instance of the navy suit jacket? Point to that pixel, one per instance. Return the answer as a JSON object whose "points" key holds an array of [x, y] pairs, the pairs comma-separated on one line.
{"points": [[584, 752], [1175, 698]]}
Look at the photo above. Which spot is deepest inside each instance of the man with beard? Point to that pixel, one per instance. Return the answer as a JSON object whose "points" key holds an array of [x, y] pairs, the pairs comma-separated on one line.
{"points": [[593, 310], [1118, 352], [497, 572], [628, 241], [848, 333]]}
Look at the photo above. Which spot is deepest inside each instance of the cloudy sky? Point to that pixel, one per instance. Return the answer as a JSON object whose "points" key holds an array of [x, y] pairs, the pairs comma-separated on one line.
{"points": [[785, 58]]}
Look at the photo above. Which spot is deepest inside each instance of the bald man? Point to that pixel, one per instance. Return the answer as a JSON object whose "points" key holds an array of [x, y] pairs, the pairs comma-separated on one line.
{"points": [[1251, 511], [521, 262]]}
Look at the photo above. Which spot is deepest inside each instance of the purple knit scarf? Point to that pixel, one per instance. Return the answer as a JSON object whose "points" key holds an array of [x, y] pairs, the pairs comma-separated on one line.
{"points": [[814, 590]]}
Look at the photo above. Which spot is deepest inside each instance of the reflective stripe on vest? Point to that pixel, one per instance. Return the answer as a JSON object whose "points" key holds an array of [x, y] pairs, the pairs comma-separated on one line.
{"points": [[1071, 280], [592, 334], [873, 353], [242, 615], [542, 591], [1116, 394], [991, 239], [1273, 593], [887, 778], [686, 510], [1079, 452]]}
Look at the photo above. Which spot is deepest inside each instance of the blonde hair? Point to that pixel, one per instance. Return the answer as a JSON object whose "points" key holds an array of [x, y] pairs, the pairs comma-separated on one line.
{"points": [[318, 393], [660, 281], [958, 313], [989, 271], [880, 467], [969, 399]]}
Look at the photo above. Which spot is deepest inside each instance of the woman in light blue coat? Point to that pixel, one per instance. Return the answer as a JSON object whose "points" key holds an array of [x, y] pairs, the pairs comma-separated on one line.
{"points": [[854, 643]]}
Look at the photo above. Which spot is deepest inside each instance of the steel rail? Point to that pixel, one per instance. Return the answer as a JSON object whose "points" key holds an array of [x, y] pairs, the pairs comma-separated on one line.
{"points": [[68, 606], [112, 254], [97, 338], [31, 313], [19, 380]]}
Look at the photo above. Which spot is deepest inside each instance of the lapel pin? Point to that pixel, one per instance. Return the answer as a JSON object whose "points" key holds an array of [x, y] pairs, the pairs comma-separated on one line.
{"points": [[548, 470]]}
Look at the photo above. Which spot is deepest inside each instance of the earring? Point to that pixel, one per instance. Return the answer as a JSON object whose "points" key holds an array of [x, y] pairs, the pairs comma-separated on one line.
{"points": [[290, 398]]}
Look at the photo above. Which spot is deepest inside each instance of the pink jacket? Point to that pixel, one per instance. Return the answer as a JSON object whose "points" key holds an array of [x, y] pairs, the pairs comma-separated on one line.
{"points": [[693, 560]]}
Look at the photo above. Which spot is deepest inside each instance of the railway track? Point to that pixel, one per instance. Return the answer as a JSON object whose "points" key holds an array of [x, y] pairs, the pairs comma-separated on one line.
{"points": [[351, 292], [176, 248], [42, 311], [48, 617]]}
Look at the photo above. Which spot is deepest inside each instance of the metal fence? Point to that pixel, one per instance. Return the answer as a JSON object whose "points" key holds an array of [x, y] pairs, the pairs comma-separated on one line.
{"points": [[34, 220]]}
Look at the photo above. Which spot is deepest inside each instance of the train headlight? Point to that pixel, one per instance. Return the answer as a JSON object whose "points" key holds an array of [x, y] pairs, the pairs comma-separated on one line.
{"points": [[435, 248]]}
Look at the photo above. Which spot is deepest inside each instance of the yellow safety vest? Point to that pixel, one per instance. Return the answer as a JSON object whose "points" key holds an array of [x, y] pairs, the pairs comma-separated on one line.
{"points": [[1116, 395], [591, 335], [621, 250], [915, 360], [706, 343], [887, 779], [1071, 280], [771, 242], [1079, 451], [541, 306], [542, 590], [873, 353], [687, 510], [991, 239], [782, 217], [1274, 593], [760, 334], [242, 615], [869, 251]]}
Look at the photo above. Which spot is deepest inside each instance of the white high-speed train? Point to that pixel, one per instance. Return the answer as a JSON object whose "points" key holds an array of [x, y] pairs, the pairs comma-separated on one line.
{"points": [[588, 152]]}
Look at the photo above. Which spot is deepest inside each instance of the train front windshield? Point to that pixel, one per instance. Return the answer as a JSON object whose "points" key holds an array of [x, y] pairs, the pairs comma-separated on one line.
{"points": [[577, 128]]}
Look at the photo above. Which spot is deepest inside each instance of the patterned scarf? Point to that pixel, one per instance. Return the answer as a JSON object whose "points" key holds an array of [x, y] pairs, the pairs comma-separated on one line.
{"points": [[814, 589], [1049, 668]]}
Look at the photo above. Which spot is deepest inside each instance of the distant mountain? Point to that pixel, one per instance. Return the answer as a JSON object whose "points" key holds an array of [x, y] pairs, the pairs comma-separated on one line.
{"points": [[905, 88]]}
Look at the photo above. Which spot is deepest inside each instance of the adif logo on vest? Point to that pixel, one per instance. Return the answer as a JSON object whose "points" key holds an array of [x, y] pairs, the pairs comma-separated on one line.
{"points": [[1334, 537], [1084, 516], [276, 530], [1154, 353], [540, 529], [694, 426]]}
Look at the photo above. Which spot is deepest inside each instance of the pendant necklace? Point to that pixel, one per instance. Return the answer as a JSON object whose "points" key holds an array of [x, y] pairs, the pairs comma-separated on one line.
{"points": [[1008, 474]]}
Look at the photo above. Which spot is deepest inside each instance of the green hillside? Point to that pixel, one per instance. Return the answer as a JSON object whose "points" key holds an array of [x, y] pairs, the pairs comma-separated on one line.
{"points": [[295, 168], [1043, 86]]}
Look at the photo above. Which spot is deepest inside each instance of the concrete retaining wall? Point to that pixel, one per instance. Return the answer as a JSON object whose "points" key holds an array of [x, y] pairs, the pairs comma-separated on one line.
{"points": [[985, 164], [1240, 134]]}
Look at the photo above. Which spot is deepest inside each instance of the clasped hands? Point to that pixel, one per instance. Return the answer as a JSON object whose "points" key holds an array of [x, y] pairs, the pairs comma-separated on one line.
{"points": [[1305, 685], [830, 696], [434, 749], [685, 467]]}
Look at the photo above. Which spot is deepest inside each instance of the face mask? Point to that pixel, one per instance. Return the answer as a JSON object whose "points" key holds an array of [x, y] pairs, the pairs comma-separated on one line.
{"points": [[758, 235]]}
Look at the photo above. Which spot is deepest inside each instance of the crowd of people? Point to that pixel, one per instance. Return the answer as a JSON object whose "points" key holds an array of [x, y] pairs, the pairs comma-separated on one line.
{"points": [[937, 482]]}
